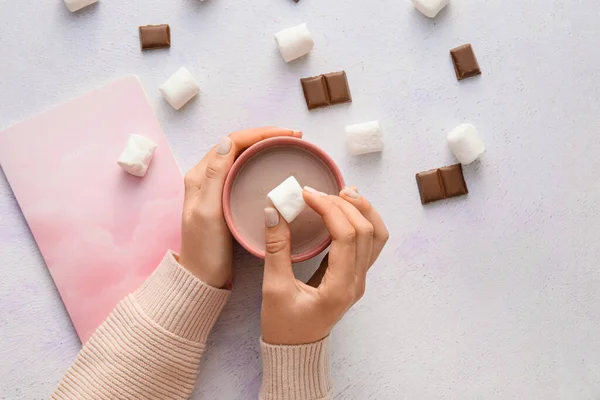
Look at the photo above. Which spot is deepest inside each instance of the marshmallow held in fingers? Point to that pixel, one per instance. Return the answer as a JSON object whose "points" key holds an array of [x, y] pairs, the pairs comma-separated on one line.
{"points": [[465, 143], [430, 8], [180, 88], [294, 42], [135, 158], [75, 5], [364, 138], [287, 198]]}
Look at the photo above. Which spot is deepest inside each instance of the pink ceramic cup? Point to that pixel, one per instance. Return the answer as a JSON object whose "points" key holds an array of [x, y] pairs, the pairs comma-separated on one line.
{"points": [[261, 168]]}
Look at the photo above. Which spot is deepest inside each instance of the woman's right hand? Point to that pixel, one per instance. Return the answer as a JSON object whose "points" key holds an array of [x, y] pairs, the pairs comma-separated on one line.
{"points": [[297, 313]]}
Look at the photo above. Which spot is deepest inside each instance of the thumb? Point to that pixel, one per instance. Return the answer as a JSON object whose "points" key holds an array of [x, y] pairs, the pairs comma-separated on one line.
{"points": [[278, 248], [216, 171]]}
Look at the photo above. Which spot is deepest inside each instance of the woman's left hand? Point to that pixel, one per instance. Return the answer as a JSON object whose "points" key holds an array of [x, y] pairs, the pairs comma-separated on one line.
{"points": [[207, 245]]}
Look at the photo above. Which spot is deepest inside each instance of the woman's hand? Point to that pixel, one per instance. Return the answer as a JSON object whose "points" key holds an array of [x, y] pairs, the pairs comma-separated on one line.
{"points": [[297, 313], [207, 245]]}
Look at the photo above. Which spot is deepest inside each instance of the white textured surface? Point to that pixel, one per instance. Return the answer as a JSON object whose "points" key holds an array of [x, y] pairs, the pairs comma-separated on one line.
{"points": [[490, 296]]}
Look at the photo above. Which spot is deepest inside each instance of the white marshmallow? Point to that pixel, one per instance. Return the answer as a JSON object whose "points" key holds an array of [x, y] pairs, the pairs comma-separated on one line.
{"points": [[74, 5], [430, 8], [287, 198], [465, 143], [137, 155], [364, 138], [180, 88], [294, 42]]}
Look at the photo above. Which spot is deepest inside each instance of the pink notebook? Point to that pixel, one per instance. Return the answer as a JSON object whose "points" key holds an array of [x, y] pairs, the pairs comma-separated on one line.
{"points": [[101, 231]]}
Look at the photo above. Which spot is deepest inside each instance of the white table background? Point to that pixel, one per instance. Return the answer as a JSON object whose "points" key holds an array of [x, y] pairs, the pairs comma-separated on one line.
{"points": [[490, 296]]}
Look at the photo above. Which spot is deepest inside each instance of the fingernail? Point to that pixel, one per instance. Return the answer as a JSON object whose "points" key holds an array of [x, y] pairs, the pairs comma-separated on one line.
{"points": [[297, 133], [224, 146], [271, 217], [351, 193], [314, 191]]}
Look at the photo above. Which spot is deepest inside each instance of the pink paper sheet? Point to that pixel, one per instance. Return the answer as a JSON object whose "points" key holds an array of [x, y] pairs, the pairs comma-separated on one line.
{"points": [[101, 231]]}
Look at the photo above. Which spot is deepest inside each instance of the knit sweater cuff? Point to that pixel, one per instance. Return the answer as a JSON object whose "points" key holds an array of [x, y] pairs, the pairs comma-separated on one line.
{"points": [[179, 302], [296, 372]]}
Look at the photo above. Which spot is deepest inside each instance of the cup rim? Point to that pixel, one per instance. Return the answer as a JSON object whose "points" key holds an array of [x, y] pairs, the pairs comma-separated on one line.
{"points": [[241, 161]]}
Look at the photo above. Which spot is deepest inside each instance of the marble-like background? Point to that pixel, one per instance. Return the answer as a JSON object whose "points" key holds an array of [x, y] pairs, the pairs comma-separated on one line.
{"points": [[491, 296]]}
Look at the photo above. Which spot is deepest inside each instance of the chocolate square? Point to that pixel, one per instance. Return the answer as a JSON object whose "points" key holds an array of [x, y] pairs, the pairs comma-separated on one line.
{"points": [[315, 92], [441, 183], [465, 62], [155, 36], [337, 86], [453, 180], [430, 186]]}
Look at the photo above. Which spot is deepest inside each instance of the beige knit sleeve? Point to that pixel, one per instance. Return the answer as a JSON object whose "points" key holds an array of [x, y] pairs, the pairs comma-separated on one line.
{"points": [[296, 372], [150, 345]]}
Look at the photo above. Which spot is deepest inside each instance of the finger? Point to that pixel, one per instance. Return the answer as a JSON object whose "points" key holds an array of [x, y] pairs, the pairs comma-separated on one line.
{"points": [[242, 140], [340, 273], [278, 251], [364, 237], [195, 176], [215, 173], [246, 138], [380, 232]]}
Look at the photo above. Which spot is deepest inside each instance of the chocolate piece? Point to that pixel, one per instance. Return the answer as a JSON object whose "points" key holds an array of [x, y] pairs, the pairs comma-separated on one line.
{"points": [[430, 186], [465, 63], [337, 85], [325, 90], [315, 92], [454, 181], [441, 183], [155, 36]]}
